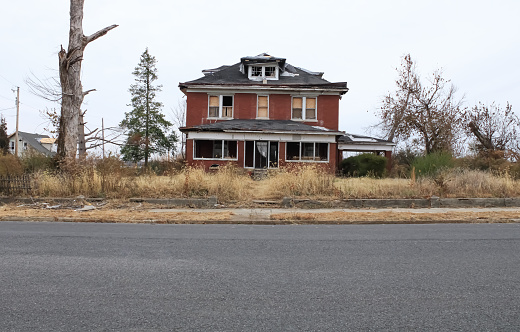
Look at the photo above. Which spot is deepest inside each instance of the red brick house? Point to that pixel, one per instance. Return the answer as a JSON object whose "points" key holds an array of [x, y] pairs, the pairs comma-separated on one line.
{"points": [[262, 113]]}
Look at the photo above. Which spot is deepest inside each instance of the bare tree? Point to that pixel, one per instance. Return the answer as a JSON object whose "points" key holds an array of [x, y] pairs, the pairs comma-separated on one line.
{"points": [[178, 115], [493, 128], [72, 93], [427, 113]]}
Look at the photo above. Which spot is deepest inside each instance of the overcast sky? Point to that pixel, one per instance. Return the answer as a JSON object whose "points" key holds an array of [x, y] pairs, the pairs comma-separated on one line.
{"points": [[477, 43]]}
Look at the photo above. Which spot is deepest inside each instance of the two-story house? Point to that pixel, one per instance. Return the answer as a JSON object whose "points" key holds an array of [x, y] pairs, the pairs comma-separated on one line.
{"points": [[262, 113]]}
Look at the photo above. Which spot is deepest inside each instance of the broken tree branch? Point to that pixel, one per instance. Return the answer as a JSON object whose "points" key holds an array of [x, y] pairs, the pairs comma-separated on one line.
{"points": [[96, 35]]}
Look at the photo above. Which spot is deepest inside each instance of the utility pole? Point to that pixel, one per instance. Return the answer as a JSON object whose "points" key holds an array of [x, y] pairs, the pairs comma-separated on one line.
{"points": [[17, 116]]}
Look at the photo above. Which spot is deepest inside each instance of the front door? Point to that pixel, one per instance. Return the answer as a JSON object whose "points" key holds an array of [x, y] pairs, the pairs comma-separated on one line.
{"points": [[261, 154]]}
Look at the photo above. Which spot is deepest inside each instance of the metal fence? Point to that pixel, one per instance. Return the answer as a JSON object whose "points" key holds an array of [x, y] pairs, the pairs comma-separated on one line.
{"points": [[14, 185]]}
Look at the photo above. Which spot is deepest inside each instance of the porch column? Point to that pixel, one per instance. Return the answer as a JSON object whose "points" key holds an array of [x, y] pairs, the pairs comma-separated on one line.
{"points": [[388, 156]]}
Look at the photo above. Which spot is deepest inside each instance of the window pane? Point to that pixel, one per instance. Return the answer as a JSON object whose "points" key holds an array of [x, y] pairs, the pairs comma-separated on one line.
{"points": [[270, 72], [273, 154], [203, 149], [230, 149], [310, 108], [262, 112], [322, 150], [297, 102], [213, 106], [307, 151], [310, 102], [213, 112], [227, 106], [227, 112], [292, 151], [256, 71], [310, 113], [213, 101], [262, 101], [217, 149], [227, 100], [250, 149]]}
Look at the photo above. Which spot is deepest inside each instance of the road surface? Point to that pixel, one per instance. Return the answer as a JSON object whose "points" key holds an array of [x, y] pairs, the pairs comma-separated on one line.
{"points": [[127, 277]]}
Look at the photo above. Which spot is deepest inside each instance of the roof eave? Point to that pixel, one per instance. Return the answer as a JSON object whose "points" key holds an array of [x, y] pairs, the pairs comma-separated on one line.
{"points": [[340, 88]]}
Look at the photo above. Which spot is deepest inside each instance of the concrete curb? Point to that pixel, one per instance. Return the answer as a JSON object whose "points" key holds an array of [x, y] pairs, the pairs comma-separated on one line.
{"points": [[289, 202], [209, 202], [433, 202]]}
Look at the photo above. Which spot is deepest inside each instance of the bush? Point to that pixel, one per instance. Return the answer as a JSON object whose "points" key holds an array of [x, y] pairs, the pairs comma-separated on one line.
{"points": [[366, 164], [10, 165], [402, 161], [33, 161], [433, 163], [166, 167]]}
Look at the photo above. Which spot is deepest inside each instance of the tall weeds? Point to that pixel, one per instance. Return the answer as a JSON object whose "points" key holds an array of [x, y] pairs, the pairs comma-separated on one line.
{"points": [[110, 179]]}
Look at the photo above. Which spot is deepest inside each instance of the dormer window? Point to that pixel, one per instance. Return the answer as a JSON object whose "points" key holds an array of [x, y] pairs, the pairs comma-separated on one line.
{"points": [[258, 73], [270, 71]]}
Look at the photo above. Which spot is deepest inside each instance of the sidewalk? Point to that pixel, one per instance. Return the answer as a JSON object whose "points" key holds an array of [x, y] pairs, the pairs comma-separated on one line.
{"points": [[501, 214], [166, 211]]}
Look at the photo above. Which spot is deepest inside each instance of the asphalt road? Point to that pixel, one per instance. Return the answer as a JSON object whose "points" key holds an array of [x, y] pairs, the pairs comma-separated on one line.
{"points": [[126, 277]]}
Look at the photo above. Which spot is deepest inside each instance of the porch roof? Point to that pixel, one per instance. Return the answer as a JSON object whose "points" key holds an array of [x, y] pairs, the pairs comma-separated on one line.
{"points": [[266, 126]]}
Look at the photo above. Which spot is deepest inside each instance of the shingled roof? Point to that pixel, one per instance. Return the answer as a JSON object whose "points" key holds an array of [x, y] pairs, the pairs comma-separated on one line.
{"points": [[34, 141], [268, 126], [289, 76]]}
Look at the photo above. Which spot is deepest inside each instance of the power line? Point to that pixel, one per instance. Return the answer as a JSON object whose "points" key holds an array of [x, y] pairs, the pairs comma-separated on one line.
{"points": [[34, 108], [8, 80], [6, 97], [5, 109]]}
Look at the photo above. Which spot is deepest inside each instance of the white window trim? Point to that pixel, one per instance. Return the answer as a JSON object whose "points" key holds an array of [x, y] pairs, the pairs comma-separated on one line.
{"points": [[263, 77], [258, 117], [222, 152], [300, 153], [304, 107], [220, 106]]}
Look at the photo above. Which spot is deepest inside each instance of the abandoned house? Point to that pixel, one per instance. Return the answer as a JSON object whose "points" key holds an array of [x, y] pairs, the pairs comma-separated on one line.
{"points": [[264, 113]]}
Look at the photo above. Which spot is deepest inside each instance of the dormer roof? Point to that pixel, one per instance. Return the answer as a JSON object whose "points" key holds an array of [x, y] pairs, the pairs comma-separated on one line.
{"points": [[262, 58]]}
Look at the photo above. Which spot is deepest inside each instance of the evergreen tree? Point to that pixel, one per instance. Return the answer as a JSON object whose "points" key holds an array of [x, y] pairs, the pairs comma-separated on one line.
{"points": [[145, 125], [4, 140]]}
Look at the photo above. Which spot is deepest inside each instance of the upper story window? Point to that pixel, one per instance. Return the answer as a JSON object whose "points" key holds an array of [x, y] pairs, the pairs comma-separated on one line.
{"points": [[262, 110], [258, 73], [304, 108], [220, 107]]}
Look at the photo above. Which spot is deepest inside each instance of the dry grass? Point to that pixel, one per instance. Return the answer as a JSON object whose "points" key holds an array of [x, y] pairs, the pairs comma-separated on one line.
{"points": [[128, 213], [230, 184], [389, 217]]}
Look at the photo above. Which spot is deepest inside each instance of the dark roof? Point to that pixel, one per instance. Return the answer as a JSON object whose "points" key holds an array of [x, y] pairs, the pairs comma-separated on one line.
{"points": [[289, 76], [34, 141], [261, 126], [359, 139], [262, 58]]}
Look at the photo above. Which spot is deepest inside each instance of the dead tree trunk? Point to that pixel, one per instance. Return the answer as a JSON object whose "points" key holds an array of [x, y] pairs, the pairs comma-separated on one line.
{"points": [[70, 80], [82, 145]]}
